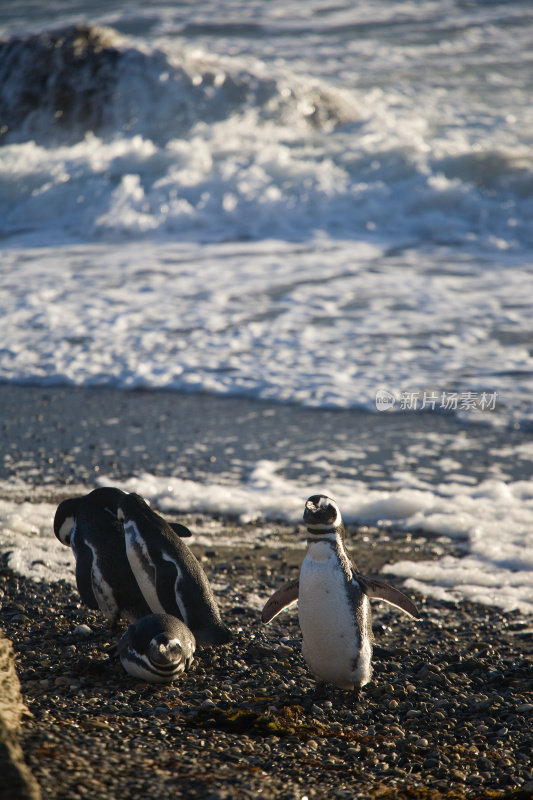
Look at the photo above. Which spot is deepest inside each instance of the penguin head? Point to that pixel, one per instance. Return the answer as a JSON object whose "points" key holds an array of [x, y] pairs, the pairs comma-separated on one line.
{"points": [[322, 514], [65, 519], [107, 497], [132, 506], [163, 651]]}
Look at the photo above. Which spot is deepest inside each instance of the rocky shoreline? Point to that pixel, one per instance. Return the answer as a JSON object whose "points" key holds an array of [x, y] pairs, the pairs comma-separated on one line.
{"points": [[449, 712]]}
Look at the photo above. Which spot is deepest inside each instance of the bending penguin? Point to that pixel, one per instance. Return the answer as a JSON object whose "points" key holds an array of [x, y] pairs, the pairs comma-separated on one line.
{"points": [[333, 606], [169, 575], [157, 648], [104, 577]]}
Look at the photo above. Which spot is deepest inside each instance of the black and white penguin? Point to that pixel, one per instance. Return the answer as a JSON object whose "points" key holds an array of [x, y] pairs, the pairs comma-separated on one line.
{"points": [[169, 575], [333, 606], [157, 648], [104, 577]]}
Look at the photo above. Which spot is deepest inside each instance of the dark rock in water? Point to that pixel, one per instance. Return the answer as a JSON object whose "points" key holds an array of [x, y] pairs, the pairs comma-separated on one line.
{"points": [[56, 86], [63, 78], [17, 782]]}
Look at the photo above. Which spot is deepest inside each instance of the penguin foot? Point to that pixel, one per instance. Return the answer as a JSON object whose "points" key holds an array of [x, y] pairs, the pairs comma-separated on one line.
{"points": [[112, 650], [356, 696], [321, 690], [316, 695]]}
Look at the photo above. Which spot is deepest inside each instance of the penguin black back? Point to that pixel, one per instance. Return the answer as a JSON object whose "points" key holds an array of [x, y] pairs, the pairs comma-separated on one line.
{"points": [[103, 575], [168, 572]]}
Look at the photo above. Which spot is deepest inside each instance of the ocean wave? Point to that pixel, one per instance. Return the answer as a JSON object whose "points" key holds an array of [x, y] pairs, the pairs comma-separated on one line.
{"points": [[55, 86], [106, 137]]}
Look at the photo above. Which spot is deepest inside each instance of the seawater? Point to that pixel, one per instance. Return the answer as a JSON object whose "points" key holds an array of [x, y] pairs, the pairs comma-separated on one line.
{"points": [[308, 203]]}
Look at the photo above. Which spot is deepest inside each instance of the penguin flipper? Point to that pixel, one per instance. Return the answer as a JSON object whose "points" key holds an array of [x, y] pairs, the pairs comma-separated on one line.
{"points": [[281, 599], [180, 530], [384, 591]]}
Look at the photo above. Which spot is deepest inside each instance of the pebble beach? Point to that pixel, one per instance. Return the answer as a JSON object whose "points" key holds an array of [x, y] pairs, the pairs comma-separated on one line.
{"points": [[449, 711]]}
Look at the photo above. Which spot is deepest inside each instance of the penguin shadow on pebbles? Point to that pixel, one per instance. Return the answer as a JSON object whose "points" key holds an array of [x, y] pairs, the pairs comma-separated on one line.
{"points": [[333, 603], [160, 592]]}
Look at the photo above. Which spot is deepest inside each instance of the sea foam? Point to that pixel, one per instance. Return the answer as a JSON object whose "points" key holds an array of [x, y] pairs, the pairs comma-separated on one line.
{"points": [[325, 324]]}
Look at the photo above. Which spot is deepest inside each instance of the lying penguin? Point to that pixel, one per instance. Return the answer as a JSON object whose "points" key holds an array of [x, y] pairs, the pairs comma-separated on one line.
{"points": [[167, 572], [333, 606], [157, 648]]}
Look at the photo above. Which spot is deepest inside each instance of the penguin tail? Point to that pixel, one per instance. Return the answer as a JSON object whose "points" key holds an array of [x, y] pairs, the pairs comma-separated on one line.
{"points": [[214, 635]]}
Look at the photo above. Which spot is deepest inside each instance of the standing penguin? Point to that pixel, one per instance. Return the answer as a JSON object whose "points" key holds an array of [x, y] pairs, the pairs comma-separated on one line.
{"points": [[157, 648], [104, 577], [333, 607], [169, 575]]}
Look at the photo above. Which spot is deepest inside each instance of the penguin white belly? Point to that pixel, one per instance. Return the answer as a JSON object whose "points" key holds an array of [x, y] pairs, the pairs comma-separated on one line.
{"points": [[332, 645]]}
